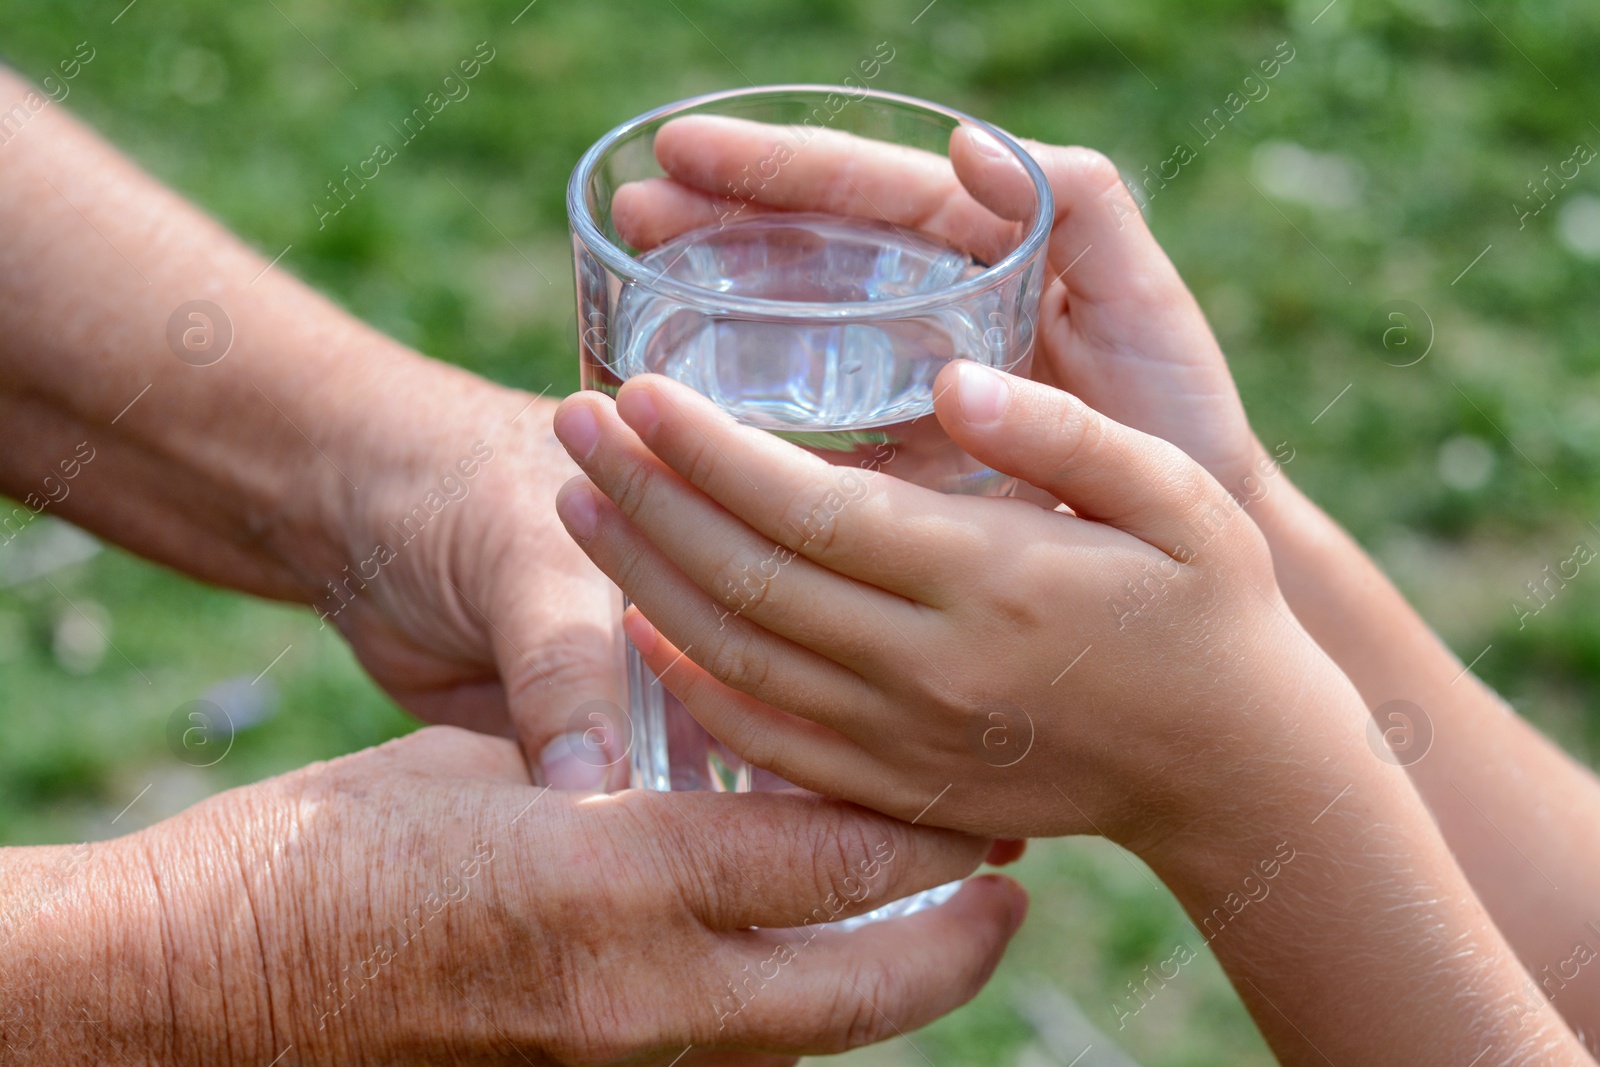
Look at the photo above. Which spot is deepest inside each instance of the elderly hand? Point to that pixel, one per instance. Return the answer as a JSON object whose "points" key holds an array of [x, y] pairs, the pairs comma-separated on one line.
{"points": [[462, 596], [422, 902], [250, 433]]}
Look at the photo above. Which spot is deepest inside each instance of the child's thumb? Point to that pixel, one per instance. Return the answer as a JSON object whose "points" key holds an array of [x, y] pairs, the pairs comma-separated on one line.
{"points": [[1099, 468]]}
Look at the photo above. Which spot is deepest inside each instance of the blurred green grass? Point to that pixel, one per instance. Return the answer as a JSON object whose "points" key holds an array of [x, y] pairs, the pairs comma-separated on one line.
{"points": [[1385, 158]]}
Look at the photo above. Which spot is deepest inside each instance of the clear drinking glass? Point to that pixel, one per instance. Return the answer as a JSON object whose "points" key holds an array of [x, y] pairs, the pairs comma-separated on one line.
{"points": [[806, 257]]}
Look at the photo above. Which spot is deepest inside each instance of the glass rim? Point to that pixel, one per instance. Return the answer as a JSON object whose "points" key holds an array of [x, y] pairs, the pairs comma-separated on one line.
{"points": [[621, 263]]}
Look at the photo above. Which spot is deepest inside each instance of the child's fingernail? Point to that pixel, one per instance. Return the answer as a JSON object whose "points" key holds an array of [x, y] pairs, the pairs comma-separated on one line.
{"points": [[981, 394], [569, 762], [577, 509], [638, 409], [577, 430], [985, 144], [640, 632]]}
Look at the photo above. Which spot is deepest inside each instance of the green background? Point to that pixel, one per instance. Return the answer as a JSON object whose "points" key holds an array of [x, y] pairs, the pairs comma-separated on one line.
{"points": [[1386, 157]]}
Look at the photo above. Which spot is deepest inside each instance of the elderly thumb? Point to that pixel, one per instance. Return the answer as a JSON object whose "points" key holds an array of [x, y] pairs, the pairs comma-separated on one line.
{"points": [[566, 696]]}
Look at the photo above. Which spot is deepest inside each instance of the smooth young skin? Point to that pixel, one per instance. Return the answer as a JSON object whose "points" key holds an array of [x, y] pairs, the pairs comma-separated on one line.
{"points": [[1206, 731], [423, 902], [1122, 332], [913, 624]]}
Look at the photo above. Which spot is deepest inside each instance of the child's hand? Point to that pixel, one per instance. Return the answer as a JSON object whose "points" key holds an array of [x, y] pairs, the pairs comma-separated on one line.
{"points": [[976, 663], [1117, 326]]}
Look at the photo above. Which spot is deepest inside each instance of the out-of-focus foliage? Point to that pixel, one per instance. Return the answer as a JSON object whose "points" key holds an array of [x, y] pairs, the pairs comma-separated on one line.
{"points": [[1383, 163]]}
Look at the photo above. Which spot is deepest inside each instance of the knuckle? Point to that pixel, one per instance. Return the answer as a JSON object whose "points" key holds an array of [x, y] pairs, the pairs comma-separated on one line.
{"points": [[699, 462], [1076, 441], [1253, 551], [807, 519], [733, 658], [1095, 169], [1091, 176], [744, 583], [1209, 517], [1189, 484], [632, 488], [858, 1008], [633, 570], [822, 541], [669, 870], [752, 738], [936, 690], [1013, 599], [701, 877], [560, 663], [842, 847]]}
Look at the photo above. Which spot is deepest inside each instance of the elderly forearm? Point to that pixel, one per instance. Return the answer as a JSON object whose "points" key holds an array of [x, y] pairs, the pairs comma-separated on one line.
{"points": [[82, 973], [1516, 810], [223, 438]]}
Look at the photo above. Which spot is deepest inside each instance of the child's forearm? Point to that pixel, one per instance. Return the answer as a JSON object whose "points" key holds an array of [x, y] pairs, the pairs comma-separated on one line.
{"points": [[1347, 927], [1517, 811]]}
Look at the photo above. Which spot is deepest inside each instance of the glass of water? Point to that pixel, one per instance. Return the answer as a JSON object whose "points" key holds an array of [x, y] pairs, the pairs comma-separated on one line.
{"points": [[808, 257]]}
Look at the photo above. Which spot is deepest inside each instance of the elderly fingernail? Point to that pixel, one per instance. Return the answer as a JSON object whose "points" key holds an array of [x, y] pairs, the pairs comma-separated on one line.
{"points": [[570, 763], [986, 144], [981, 394], [638, 409], [577, 509], [577, 430]]}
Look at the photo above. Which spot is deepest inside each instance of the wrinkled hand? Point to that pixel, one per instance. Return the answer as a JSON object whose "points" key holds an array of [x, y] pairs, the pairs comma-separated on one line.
{"points": [[1117, 326], [462, 596], [423, 902], [994, 666]]}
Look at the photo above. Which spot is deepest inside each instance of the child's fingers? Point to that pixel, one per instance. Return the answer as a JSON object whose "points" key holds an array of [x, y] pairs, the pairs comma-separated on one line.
{"points": [[651, 212], [803, 168], [1098, 232], [802, 752], [751, 576], [991, 174], [876, 529], [1101, 469], [825, 759], [1101, 235], [977, 199], [734, 649]]}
